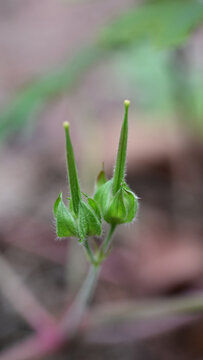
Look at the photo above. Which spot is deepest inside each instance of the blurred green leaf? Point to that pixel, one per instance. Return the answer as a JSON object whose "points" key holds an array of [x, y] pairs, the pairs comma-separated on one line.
{"points": [[19, 111], [194, 99], [165, 24], [145, 73]]}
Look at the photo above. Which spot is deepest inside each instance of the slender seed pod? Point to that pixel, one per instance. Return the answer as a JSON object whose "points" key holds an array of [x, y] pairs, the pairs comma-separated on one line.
{"points": [[72, 171], [82, 218], [117, 202], [119, 171]]}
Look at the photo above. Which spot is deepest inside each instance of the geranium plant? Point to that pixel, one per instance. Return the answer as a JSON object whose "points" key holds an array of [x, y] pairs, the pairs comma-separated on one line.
{"points": [[113, 201]]}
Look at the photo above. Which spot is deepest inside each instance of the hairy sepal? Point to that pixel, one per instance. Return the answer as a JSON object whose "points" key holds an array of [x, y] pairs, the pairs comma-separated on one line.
{"points": [[65, 222], [87, 223], [118, 208], [89, 220]]}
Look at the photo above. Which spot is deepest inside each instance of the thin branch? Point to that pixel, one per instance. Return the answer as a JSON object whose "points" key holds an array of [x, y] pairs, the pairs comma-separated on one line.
{"points": [[22, 299], [33, 347], [129, 311]]}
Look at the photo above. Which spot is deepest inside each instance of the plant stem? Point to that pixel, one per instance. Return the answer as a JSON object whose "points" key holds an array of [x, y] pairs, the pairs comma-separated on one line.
{"points": [[52, 337], [105, 246], [74, 315], [89, 253], [72, 319], [109, 314]]}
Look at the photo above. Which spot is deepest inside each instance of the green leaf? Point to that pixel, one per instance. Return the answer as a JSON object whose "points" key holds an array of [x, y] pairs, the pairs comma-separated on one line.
{"points": [[65, 223], [19, 111], [164, 23]]}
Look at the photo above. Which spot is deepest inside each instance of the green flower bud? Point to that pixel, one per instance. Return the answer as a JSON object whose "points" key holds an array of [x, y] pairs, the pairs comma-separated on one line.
{"points": [[87, 223], [117, 202], [118, 208], [81, 219]]}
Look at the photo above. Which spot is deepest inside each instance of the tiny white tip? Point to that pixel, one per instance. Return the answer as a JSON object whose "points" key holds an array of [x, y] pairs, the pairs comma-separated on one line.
{"points": [[127, 102], [66, 125]]}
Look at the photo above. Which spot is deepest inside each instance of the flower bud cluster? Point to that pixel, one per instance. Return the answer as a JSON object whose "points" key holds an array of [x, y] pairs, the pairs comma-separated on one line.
{"points": [[113, 200]]}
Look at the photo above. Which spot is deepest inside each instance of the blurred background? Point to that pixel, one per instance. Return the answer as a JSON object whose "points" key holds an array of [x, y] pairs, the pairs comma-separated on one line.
{"points": [[77, 60]]}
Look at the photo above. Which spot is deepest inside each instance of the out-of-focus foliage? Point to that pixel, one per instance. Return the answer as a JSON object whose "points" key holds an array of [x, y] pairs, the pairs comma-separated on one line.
{"points": [[144, 72], [154, 78], [19, 111], [196, 97], [166, 24], [162, 24]]}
